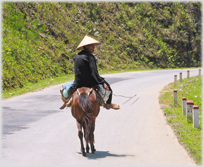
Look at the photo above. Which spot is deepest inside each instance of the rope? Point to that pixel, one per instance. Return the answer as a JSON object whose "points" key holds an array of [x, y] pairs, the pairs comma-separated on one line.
{"points": [[125, 96]]}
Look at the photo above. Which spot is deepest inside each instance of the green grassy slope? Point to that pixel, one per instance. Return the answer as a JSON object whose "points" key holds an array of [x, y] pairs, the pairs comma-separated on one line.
{"points": [[39, 38]]}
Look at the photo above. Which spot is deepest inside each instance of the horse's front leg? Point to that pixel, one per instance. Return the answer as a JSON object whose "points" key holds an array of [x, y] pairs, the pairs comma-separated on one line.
{"points": [[80, 134]]}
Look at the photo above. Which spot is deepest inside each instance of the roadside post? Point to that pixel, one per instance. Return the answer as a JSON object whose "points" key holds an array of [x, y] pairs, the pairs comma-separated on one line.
{"points": [[175, 97], [195, 116], [188, 74], [184, 105], [180, 76], [190, 104], [175, 80], [199, 71]]}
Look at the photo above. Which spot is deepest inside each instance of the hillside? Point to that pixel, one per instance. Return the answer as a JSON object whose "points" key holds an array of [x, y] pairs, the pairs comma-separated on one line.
{"points": [[39, 38]]}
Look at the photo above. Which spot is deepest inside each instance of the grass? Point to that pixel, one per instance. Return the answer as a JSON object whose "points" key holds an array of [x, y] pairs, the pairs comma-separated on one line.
{"points": [[188, 136], [38, 86]]}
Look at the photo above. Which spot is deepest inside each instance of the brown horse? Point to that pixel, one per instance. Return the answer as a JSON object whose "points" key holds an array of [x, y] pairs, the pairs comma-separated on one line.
{"points": [[85, 108]]}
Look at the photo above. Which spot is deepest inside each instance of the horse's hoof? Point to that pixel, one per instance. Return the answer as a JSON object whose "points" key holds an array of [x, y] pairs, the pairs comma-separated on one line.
{"points": [[84, 154], [93, 152], [87, 149]]}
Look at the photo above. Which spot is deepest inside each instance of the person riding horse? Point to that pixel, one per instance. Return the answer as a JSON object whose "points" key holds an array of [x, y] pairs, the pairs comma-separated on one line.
{"points": [[86, 73], [87, 93]]}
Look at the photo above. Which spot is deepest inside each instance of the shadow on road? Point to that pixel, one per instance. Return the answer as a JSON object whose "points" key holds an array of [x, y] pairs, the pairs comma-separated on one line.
{"points": [[16, 119], [103, 154]]}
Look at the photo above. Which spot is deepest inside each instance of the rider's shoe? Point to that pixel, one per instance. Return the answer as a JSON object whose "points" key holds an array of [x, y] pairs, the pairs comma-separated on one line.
{"points": [[113, 106]]}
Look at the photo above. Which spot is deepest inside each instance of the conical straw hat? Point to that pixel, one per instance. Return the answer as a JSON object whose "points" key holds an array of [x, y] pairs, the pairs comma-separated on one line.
{"points": [[87, 41]]}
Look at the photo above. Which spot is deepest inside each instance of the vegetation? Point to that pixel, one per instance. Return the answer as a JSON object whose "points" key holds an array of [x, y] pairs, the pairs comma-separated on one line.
{"points": [[190, 137], [40, 85], [39, 38]]}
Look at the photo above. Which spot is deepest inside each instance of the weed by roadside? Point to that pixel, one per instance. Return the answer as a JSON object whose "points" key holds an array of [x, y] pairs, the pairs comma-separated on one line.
{"points": [[188, 136], [37, 86]]}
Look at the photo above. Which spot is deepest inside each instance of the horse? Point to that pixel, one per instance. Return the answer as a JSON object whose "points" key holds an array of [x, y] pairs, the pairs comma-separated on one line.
{"points": [[85, 108]]}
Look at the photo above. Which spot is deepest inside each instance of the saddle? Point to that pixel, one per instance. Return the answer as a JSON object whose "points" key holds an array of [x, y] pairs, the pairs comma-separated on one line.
{"points": [[68, 101]]}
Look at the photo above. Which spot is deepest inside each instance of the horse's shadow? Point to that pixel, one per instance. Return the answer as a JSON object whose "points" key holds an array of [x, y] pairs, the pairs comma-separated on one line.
{"points": [[103, 154]]}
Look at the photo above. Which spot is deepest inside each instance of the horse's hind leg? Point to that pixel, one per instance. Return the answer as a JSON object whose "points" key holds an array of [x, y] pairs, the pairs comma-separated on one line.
{"points": [[87, 144], [80, 134], [93, 150], [87, 147]]}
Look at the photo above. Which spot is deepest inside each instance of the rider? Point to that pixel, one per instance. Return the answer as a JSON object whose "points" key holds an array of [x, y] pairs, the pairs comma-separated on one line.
{"points": [[86, 73]]}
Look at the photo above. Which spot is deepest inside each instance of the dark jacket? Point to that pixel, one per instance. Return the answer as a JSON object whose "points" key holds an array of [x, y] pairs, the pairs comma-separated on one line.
{"points": [[86, 73]]}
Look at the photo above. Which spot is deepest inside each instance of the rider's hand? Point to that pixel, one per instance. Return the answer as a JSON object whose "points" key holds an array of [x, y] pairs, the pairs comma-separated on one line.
{"points": [[105, 86]]}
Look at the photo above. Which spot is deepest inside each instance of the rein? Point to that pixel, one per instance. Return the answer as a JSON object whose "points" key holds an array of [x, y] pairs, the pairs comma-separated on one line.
{"points": [[125, 96]]}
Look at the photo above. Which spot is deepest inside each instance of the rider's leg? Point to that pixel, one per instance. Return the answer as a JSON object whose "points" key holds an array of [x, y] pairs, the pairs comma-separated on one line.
{"points": [[109, 103]]}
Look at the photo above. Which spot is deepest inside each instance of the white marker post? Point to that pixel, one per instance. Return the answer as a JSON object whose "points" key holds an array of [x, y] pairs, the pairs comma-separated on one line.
{"points": [[175, 96], [188, 74], [190, 104], [175, 80], [184, 105], [180, 76], [195, 116]]}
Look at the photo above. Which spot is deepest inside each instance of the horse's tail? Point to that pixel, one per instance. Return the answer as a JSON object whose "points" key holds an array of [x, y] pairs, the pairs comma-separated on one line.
{"points": [[85, 104]]}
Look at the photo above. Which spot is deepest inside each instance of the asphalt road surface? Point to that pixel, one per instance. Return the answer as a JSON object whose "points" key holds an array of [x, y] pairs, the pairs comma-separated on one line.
{"points": [[36, 132]]}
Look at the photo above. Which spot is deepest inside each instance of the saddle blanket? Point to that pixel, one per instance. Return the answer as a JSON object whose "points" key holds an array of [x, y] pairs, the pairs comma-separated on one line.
{"points": [[104, 93], [66, 88]]}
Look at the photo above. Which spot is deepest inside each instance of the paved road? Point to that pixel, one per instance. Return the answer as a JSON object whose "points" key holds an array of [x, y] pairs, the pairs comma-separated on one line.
{"points": [[36, 132]]}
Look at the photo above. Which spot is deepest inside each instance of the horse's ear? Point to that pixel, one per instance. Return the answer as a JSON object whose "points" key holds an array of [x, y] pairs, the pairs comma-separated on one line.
{"points": [[90, 91], [78, 92]]}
